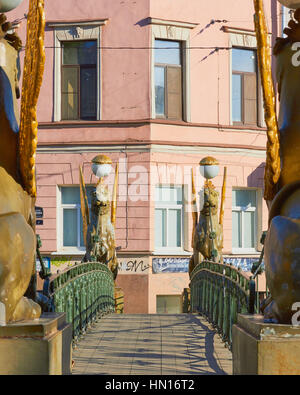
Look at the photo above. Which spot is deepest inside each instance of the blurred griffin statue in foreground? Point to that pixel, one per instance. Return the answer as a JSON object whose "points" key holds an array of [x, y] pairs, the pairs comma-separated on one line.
{"points": [[282, 172], [17, 164]]}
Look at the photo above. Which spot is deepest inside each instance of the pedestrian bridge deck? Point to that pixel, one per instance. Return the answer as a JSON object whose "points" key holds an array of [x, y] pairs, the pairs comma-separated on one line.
{"points": [[151, 344]]}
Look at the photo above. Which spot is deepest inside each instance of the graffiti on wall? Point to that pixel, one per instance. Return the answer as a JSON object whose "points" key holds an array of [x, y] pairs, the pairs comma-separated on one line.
{"points": [[134, 265], [173, 265]]}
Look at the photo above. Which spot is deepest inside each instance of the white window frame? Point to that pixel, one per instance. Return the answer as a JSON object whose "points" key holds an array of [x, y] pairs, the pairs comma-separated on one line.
{"points": [[239, 38], [74, 31], [60, 225], [241, 209], [168, 206], [176, 31]]}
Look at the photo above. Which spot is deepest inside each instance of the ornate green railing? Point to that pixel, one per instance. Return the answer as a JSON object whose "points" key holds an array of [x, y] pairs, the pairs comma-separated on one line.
{"points": [[85, 292], [220, 292]]}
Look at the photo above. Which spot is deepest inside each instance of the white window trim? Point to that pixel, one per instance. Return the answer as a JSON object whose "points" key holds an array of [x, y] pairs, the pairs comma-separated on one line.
{"points": [[61, 249], [73, 31], [257, 224], [177, 31], [286, 16], [171, 250], [243, 39]]}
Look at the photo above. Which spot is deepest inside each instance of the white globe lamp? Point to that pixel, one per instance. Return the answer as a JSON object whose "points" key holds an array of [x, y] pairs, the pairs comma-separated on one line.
{"points": [[101, 166], [209, 167], [8, 5]]}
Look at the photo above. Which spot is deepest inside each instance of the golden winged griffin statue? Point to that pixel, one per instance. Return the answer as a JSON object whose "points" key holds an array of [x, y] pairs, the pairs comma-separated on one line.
{"points": [[17, 163], [207, 237], [99, 221], [282, 171]]}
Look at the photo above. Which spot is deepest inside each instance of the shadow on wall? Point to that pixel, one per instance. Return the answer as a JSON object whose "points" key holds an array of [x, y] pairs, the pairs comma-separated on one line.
{"points": [[256, 178]]}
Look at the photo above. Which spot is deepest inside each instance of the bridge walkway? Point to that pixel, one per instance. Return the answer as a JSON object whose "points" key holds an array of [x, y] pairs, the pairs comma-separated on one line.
{"points": [[151, 344]]}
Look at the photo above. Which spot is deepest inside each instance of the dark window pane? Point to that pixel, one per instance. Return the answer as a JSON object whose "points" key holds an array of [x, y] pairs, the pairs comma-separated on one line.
{"points": [[236, 229], [167, 52], [250, 99], [236, 98], [69, 96], [70, 52], [244, 198], [69, 83], [159, 90], [160, 227], [81, 232], [88, 93], [168, 195], [174, 92], [80, 52], [70, 195], [174, 228], [249, 229], [243, 60], [69, 106], [70, 227]]}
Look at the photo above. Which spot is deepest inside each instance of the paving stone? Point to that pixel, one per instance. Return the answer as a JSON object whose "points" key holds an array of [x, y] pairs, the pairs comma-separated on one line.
{"points": [[151, 345]]}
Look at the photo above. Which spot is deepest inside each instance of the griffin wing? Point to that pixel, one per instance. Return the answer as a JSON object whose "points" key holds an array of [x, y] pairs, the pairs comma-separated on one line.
{"points": [[272, 169], [32, 80], [221, 217], [114, 197], [194, 208], [84, 205]]}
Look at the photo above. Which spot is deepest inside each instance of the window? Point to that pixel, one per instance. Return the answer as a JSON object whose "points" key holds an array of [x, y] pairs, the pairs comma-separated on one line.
{"points": [[70, 217], [168, 218], [79, 80], [244, 220], [168, 304], [168, 79], [69, 95], [244, 87]]}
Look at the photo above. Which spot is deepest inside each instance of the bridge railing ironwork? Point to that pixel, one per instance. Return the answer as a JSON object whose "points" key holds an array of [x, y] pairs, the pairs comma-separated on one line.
{"points": [[220, 292], [85, 292]]}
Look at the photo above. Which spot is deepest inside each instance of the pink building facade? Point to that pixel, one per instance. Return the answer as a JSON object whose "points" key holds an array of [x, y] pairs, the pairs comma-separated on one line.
{"points": [[156, 85]]}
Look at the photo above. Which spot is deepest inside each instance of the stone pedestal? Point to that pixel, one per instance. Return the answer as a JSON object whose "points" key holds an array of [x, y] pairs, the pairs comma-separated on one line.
{"points": [[265, 349], [39, 347]]}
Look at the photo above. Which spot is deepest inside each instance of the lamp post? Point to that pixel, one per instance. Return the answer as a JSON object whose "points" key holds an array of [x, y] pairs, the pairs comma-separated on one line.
{"points": [[101, 167], [209, 169]]}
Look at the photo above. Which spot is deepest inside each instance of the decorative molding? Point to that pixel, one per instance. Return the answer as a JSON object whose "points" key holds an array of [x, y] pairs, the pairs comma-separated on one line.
{"points": [[93, 22], [237, 30], [164, 147], [143, 122], [161, 22]]}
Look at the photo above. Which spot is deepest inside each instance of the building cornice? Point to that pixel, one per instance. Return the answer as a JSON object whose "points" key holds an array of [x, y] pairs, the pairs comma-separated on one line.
{"points": [[78, 22], [158, 21], [238, 30], [153, 147], [142, 122]]}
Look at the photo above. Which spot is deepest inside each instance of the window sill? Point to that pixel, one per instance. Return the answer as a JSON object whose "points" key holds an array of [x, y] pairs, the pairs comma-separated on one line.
{"points": [[172, 252], [244, 251], [69, 252]]}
